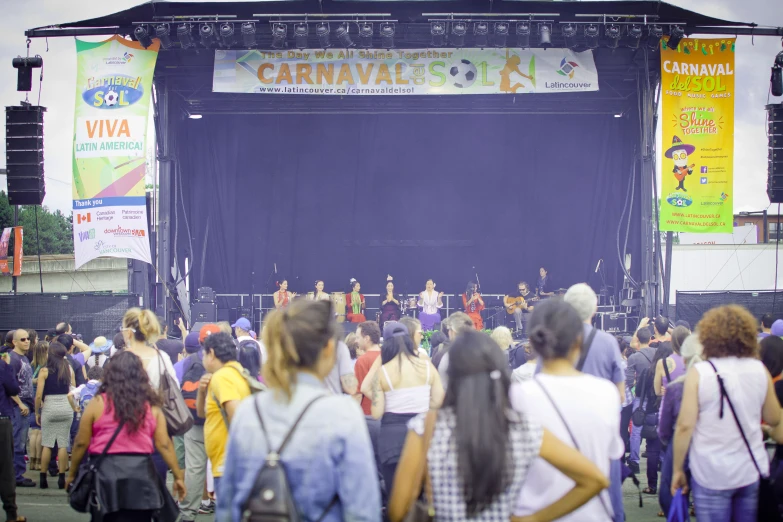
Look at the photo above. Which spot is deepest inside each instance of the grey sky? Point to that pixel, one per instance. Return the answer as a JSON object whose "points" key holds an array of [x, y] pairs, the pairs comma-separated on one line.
{"points": [[752, 84]]}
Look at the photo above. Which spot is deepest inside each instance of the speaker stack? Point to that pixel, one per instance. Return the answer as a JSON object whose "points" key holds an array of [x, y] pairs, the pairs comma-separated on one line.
{"points": [[204, 310], [775, 134], [24, 154]]}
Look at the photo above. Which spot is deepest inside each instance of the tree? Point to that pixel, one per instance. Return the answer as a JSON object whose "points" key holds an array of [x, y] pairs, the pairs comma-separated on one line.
{"points": [[55, 228]]}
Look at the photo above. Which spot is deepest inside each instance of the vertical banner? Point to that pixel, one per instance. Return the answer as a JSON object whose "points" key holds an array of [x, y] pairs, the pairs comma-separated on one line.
{"points": [[114, 80], [697, 118], [4, 240], [18, 253]]}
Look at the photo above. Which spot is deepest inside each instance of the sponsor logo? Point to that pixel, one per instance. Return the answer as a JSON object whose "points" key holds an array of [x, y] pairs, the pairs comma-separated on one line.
{"points": [[106, 249], [119, 231], [703, 180], [567, 68], [678, 199], [87, 234], [104, 215], [128, 57], [112, 91], [724, 196], [83, 218]]}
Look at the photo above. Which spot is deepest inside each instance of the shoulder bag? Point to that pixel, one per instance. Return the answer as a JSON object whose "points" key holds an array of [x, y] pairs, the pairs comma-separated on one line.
{"points": [[82, 494], [424, 510], [177, 414]]}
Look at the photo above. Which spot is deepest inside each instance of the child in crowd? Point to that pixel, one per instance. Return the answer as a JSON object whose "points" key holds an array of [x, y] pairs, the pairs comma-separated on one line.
{"points": [[80, 396]]}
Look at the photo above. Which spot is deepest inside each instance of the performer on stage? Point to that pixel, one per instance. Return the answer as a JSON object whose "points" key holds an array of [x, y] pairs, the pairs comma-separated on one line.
{"points": [[319, 294], [521, 309], [473, 304], [544, 286], [283, 297], [354, 304], [430, 302], [390, 305]]}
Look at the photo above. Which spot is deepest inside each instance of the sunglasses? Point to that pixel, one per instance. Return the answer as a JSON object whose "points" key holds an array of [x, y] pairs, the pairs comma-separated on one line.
{"points": [[24, 339]]}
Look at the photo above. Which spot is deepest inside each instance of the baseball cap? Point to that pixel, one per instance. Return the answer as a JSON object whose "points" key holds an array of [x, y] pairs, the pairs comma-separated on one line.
{"points": [[777, 328], [390, 328], [192, 343], [206, 330], [242, 323]]}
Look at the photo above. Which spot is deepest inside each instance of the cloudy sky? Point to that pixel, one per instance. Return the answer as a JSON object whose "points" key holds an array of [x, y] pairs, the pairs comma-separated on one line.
{"points": [[754, 60]]}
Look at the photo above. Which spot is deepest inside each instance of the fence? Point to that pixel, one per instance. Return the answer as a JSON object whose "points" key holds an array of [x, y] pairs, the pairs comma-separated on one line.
{"points": [[691, 306]]}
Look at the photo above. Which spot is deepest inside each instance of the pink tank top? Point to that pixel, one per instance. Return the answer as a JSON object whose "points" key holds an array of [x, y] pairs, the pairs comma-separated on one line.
{"points": [[140, 442]]}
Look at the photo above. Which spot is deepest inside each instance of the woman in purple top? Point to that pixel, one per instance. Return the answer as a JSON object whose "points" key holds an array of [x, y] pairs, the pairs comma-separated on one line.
{"points": [[674, 362]]}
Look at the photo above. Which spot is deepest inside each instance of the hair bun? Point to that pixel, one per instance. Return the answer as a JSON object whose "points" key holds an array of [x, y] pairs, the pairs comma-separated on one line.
{"points": [[542, 338]]}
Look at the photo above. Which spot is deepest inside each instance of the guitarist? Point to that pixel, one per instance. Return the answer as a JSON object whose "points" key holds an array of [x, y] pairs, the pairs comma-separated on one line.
{"points": [[520, 305]]}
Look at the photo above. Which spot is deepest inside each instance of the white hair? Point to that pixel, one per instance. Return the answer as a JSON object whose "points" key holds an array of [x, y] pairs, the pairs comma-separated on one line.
{"points": [[583, 299], [502, 336], [691, 350]]}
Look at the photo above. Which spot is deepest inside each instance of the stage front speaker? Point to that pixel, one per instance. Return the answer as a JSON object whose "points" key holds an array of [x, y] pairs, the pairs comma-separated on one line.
{"points": [[24, 154], [203, 312], [775, 155]]}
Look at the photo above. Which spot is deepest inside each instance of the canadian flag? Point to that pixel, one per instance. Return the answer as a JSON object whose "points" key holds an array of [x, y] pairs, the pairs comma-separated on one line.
{"points": [[82, 218]]}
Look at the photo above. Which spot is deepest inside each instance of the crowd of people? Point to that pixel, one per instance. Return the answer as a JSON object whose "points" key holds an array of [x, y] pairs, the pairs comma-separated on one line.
{"points": [[376, 426]]}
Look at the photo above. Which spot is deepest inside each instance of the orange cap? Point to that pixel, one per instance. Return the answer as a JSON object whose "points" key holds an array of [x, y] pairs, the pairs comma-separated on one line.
{"points": [[206, 330]]}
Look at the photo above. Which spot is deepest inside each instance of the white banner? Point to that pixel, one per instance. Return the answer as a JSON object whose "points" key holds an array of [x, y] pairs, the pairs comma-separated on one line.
{"points": [[404, 71], [745, 235]]}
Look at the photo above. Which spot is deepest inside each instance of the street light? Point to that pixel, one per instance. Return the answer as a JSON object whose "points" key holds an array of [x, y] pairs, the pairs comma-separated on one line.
{"points": [[766, 223]]}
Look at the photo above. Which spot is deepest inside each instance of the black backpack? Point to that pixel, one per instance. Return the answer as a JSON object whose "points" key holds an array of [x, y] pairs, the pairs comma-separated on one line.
{"points": [[189, 386], [271, 499]]}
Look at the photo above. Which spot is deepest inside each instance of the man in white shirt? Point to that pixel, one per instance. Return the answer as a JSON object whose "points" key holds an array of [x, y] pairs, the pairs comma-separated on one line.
{"points": [[242, 331]]}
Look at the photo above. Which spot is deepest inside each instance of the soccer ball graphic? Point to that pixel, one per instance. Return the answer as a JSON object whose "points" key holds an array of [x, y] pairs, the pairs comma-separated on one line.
{"points": [[111, 98], [462, 74]]}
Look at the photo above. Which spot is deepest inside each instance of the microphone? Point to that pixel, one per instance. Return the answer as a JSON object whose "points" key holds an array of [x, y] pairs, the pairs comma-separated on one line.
{"points": [[597, 266]]}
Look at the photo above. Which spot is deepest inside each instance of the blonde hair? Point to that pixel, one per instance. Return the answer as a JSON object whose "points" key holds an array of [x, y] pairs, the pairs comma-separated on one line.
{"points": [[225, 327], [294, 339], [143, 323], [502, 336]]}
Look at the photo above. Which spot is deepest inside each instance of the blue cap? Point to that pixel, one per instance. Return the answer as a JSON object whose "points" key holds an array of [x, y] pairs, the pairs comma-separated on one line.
{"points": [[191, 342], [777, 328], [242, 323]]}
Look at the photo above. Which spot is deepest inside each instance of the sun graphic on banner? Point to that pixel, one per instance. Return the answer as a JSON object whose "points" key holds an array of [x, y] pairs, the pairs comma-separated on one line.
{"points": [[567, 68]]}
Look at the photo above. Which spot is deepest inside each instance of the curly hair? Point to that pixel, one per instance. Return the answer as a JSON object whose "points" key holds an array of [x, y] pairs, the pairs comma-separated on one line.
{"points": [[127, 386], [728, 331]]}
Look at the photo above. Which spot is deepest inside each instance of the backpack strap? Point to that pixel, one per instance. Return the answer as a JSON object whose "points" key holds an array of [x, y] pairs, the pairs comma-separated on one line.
{"points": [[586, 349]]}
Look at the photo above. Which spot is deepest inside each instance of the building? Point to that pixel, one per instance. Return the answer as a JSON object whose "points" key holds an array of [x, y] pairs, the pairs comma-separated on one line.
{"points": [[769, 226]]}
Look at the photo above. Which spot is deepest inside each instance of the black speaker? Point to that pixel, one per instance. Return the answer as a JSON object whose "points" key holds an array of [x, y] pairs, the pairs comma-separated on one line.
{"points": [[24, 154], [775, 156], [203, 312]]}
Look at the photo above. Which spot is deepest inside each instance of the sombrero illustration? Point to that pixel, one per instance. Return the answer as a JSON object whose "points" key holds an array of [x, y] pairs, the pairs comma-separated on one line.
{"points": [[677, 144]]}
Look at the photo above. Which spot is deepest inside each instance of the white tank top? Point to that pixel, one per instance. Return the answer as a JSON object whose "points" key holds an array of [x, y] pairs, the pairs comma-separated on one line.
{"points": [[415, 399]]}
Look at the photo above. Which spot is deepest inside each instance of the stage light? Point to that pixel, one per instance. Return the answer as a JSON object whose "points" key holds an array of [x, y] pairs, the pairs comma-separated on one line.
{"points": [[438, 31], [194, 116], [458, 30], [501, 34], [227, 34], [654, 34], [569, 35], [634, 36], [776, 80], [480, 32], [185, 36], [523, 34], [387, 35], [300, 35], [676, 34], [322, 32], [163, 32], [142, 35], [279, 32], [248, 30], [545, 35], [592, 36], [207, 35], [344, 35], [365, 34], [612, 33]]}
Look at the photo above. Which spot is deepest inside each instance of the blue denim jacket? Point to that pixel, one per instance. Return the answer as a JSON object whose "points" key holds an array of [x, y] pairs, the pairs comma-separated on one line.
{"points": [[330, 453]]}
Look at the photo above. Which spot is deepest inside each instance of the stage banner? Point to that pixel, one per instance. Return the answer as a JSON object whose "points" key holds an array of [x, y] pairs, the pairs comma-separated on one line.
{"points": [[697, 119], [404, 71], [114, 79], [5, 239]]}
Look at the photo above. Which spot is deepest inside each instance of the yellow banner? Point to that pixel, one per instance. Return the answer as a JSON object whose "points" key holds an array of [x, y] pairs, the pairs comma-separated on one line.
{"points": [[697, 118]]}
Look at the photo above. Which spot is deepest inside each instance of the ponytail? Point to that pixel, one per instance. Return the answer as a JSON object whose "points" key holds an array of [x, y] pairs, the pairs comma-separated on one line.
{"points": [[143, 324], [281, 354]]}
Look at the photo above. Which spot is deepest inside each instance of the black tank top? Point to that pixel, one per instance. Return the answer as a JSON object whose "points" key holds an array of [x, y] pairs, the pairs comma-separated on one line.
{"points": [[54, 386]]}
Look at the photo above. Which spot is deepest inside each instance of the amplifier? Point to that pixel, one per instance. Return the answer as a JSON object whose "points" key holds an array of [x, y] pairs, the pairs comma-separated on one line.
{"points": [[203, 312], [205, 295]]}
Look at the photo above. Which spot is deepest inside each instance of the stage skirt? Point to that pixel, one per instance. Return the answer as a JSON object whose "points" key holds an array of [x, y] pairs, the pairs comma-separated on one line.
{"points": [[428, 321]]}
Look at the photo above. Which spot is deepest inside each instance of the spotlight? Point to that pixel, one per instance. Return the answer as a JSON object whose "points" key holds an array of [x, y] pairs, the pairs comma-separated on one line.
{"points": [[163, 32], [365, 34], [142, 35], [480, 32], [612, 33], [458, 30], [545, 35], [592, 34], [676, 34], [227, 34], [523, 34], [207, 35], [654, 35], [776, 80], [569, 35], [300, 35], [322, 31], [438, 31], [249, 34], [344, 35], [185, 36], [279, 32], [501, 34], [634, 36], [387, 35], [194, 116]]}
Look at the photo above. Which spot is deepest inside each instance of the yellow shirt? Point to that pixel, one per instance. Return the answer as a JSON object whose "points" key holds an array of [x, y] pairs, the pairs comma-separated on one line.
{"points": [[227, 384]]}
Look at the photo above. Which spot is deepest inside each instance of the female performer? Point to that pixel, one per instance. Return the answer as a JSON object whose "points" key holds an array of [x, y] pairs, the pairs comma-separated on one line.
{"points": [[390, 306], [319, 294], [544, 286], [283, 297], [430, 302], [354, 304], [473, 304]]}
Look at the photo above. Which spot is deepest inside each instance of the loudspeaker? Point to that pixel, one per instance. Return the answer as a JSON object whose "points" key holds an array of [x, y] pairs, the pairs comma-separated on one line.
{"points": [[203, 312], [24, 154], [775, 155]]}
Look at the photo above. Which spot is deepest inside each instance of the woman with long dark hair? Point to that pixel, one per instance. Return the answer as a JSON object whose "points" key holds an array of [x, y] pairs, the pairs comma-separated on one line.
{"points": [[354, 303], [128, 406], [390, 304], [40, 353], [480, 450], [53, 412], [473, 304], [250, 358], [675, 365]]}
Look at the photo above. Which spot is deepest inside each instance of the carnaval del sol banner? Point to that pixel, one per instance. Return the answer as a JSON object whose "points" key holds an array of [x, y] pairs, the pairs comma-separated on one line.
{"points": [[346, 72], [5, 239], [697, 118], [113, 85]]}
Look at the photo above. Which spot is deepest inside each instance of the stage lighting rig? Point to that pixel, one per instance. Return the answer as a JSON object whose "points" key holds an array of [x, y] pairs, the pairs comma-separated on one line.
{"points": [[438, 31], [343, 35], [458, 31], [654, 35], [279, 32], [185, 36], [634, 36], [676, 34], [387, 35], [613, 33], [501, 34], [569, 35], [365, 34], [592, 36], [545, 35], [523, 34], [480, 32], [322, 32], [776, 80], [227, 34], [206, 33], [142, 35], [163, 32], [300, 35], [248, 31]]}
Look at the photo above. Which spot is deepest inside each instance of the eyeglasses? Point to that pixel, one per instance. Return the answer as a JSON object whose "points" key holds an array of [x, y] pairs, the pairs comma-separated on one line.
{"points": [[24, 339]]}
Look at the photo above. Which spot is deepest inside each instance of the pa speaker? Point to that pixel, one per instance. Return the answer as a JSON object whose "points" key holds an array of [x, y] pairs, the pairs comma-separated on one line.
{"points": [[24, 154], [775, 156]]}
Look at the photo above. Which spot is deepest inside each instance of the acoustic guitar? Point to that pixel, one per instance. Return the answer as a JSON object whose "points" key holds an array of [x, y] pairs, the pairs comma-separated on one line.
{"points": [[516, 303]]}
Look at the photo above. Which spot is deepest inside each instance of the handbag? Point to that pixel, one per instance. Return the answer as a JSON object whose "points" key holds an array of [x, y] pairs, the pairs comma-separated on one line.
{"points": [[82, 494], [767, 503], [678, 512], [424, 510], [177, 414]]}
